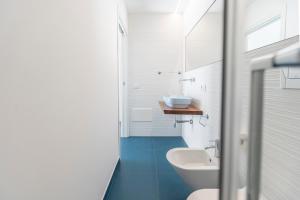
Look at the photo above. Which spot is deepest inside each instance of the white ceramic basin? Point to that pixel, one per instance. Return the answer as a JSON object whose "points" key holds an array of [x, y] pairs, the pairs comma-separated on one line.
{"points": [[195, 166], [177, 101]]}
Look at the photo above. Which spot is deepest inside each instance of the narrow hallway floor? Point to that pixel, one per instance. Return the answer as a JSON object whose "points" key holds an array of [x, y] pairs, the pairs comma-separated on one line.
{"points": [[144, 173]]}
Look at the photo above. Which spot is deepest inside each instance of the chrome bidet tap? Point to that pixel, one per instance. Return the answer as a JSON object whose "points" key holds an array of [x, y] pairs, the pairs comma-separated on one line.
{"points": [[216, 146]]}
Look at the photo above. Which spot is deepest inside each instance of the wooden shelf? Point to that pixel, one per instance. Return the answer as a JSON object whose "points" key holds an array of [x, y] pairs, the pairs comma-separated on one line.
{"points": [[191, 110]]}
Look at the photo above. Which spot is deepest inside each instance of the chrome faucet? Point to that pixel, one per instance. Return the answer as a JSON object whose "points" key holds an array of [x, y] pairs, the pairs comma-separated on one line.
{"points": [[210, 147], [216, 146]]}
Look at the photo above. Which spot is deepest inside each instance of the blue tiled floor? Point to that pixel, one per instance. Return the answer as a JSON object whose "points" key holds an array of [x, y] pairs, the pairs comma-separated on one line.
{"points": [[144, 172]]}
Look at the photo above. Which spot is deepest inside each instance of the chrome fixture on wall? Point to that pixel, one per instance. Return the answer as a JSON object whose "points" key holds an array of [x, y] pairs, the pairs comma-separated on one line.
{"points": [[182, 122], [160, 72], [216, 146], [206, 116], [187, 79]]}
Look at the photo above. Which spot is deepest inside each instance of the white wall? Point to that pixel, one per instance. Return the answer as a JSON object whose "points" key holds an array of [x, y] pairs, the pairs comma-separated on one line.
{"points": [[292, 18], [206, 92], [206, 38], [261, 11], [194, 10], [59, 105], [123, 14], [155, 44]]}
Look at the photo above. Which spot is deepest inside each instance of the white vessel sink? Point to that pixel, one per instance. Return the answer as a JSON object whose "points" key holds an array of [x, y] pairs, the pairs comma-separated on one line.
{"points": [[177, 101], [195, 166]]}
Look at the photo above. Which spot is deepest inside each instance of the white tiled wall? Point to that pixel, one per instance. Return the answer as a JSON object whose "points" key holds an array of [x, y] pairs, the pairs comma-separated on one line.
{"points": [[281, 157], [206, 92], [155, 44], [281, 138]]}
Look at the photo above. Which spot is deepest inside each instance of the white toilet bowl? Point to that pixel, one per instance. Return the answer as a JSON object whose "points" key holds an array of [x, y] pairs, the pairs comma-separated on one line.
{"points": [[213, 194]]}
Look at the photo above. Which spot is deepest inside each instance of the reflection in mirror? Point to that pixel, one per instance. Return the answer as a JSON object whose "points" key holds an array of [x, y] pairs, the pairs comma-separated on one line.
{"points": [[266, 34], [271, 25], [268, 22], [204, 42]]}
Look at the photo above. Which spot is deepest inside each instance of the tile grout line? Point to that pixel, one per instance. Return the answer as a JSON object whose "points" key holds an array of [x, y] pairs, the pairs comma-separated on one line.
{"points": [[156, 169], [158, 189]]}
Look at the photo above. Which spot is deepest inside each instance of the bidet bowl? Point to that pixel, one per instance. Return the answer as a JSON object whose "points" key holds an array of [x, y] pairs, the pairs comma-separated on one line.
{"points": [[195, 166]]}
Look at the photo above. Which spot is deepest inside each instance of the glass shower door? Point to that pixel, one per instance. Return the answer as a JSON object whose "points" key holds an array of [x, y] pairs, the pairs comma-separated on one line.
{"points": [[260, 120]]}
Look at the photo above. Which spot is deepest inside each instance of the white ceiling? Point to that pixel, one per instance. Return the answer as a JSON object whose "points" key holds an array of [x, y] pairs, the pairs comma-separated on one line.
{"points": [[155, 6]]}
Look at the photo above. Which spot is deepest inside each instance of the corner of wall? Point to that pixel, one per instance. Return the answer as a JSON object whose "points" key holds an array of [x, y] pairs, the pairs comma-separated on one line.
{"points": [[106, 191], [123, 14]]}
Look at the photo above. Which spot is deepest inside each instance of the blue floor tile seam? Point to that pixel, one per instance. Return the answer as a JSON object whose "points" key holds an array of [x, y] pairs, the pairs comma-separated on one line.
{"points": [[156, 170], [166, 184]]}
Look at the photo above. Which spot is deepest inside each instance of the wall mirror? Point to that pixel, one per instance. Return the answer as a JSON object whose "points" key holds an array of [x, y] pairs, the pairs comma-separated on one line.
{"points": [[205, 37], [268, 23]]}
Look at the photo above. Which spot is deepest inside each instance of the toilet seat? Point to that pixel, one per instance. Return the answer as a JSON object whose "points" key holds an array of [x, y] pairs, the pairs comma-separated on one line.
{"points": [[213, 194], [205, 194]]}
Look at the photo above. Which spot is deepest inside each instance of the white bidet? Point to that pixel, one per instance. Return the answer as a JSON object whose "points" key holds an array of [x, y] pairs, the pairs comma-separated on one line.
{"points": [[195, 166]]}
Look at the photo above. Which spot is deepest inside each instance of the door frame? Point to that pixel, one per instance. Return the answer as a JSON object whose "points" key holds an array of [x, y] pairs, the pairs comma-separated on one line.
{"points": [[233, 48], [122, 80]]}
